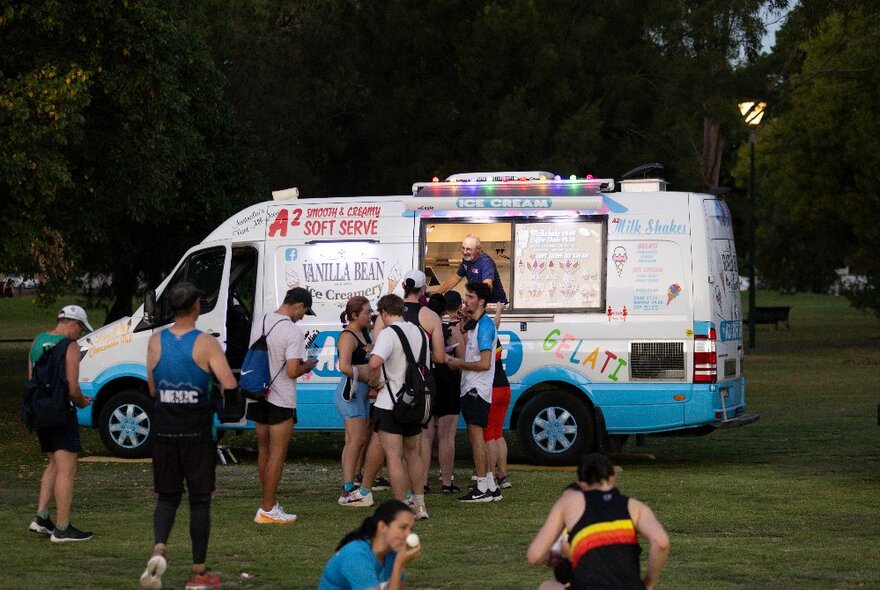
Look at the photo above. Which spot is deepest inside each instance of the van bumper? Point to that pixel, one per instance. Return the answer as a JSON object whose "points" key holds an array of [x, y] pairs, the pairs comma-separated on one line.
{"points": [[741, 420]]}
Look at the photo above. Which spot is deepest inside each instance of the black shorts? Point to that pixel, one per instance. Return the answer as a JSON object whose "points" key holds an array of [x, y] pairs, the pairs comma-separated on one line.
{"points": [[446, 400], [174, 464], [265, 412], [474, 409], [62, 438], [385, 422]]}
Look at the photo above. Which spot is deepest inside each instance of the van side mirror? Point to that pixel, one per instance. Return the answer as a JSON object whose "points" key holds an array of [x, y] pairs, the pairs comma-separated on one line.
{"points": [[150, 307]]}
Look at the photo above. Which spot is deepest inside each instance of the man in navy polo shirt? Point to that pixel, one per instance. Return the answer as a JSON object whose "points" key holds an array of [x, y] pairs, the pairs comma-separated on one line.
{"points": [[477, 267]]}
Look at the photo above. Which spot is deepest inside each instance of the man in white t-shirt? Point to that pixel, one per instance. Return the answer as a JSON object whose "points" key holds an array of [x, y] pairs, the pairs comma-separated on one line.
{"points": [[275, 415], [477, 373], [401, 442]]}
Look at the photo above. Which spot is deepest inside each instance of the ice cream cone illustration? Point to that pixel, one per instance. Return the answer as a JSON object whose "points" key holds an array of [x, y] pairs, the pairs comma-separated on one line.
{"points": [[672, 292], [292, 278], [394, 276], [618, 257]]}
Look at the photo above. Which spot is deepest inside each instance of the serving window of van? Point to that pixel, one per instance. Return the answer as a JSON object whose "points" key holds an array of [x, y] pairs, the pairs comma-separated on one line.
{"points": [[545, 265]]}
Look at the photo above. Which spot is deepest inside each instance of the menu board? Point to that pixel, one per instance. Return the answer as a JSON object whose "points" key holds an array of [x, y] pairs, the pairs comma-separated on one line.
{"points": [[558, 265]]}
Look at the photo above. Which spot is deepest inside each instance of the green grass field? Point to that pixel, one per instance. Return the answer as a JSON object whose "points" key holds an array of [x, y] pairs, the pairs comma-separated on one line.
{"points": [[792, 501]]}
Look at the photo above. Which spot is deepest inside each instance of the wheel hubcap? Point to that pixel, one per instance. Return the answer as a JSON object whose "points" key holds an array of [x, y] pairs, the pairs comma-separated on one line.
{"points": [[554, 430], [129, 426]]}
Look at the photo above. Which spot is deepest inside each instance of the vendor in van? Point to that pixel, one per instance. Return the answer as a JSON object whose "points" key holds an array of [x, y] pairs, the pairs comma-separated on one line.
{"points": [[478, 267]]}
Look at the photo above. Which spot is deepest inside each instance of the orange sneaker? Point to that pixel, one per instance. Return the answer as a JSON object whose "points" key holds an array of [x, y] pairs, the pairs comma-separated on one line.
{"points": [[202, 581]]}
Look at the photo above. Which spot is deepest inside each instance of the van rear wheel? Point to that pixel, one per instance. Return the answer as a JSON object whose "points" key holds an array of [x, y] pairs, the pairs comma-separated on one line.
{"points": [[126, 425], [555, 428]]}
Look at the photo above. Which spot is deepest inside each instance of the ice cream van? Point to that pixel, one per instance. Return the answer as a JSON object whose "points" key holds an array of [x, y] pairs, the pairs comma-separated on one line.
{"points": [[623, 318]]}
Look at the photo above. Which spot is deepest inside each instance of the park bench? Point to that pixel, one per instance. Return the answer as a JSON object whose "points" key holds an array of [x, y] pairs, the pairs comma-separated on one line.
{"points": [[771, 315]]}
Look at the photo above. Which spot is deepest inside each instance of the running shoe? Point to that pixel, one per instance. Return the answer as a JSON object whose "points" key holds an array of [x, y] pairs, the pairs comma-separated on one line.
{"points": [[475, 495], [381, 483], [496, 495], [42, 526], [202, 581], [343, 498], [356, 499], [410, 500], [422, 513], [69, 535], [450, 489], [151, 579], [274, 516], [504, 482]]}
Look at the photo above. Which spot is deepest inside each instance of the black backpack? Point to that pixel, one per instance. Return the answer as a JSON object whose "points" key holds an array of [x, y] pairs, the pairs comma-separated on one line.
{"points": [[412, 405], [45, 400]]}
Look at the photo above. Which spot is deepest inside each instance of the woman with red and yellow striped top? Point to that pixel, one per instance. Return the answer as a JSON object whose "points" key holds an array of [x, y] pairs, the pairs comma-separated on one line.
{"points": [[602, 527]]}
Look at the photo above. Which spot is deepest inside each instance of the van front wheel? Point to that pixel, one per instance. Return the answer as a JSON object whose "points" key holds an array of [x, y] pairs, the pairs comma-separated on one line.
{"points": [[126, 425], [555, 428]]}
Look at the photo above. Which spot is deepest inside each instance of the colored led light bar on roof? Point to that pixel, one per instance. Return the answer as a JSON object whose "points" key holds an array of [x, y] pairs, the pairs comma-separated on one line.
{"points": [[523, 179]]}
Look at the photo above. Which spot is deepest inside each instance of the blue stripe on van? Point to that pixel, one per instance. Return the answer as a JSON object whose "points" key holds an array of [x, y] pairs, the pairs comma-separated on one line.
{"points": [[613, 206], [702, 328], [137, 370]]}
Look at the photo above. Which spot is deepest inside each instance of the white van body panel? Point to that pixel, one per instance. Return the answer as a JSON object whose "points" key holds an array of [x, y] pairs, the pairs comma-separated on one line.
{"points": [[658, 273]]}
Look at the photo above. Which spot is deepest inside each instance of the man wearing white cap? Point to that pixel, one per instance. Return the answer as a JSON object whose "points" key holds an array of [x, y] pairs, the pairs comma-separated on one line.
{"points": [[61, 444]]}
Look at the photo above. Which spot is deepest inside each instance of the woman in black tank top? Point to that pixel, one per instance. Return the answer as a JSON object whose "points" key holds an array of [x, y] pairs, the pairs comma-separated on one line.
{"points": [[353, 348]]}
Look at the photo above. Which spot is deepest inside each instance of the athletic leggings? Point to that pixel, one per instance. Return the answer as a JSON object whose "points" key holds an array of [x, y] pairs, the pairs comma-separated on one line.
{"points": [[199, 521]]}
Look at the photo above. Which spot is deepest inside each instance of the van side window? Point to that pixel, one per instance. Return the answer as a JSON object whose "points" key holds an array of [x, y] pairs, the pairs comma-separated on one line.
{"points": [[205, 270]]}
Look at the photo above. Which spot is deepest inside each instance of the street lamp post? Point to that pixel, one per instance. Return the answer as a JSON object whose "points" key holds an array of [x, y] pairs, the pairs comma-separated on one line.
{"points": [[752, 112]]}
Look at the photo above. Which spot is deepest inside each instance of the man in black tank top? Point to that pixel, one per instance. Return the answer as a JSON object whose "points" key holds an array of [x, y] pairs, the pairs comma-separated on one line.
{"points": [[601, 539]]}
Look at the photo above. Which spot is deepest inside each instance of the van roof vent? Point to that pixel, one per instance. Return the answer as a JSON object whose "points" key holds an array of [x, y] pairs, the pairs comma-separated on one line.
{"points": [[285, 194], [643, 185]]}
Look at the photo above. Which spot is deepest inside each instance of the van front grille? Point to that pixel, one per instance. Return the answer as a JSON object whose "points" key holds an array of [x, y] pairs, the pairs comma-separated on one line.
{"points": [[656, 361]]}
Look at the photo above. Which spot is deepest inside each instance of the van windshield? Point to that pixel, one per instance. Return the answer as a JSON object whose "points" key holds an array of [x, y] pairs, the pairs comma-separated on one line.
{"points": [[204, 269]]}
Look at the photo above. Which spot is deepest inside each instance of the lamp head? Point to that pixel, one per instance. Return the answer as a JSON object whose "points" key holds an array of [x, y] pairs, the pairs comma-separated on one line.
{"points": [[752, 112]]}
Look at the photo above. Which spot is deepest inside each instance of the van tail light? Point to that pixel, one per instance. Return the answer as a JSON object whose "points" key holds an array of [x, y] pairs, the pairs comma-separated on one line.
{"points": [[705, 358]]}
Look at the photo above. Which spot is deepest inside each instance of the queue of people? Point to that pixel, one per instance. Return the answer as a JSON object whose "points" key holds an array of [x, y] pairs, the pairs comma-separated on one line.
{"points": [[592, 527]]}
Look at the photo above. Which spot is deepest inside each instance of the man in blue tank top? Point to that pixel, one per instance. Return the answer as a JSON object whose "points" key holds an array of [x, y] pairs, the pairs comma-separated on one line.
{"points": [[180, 361]]}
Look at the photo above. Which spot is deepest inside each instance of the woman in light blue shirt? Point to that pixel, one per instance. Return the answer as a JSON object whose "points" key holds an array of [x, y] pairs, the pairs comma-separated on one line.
{"points": [[372, 556]]}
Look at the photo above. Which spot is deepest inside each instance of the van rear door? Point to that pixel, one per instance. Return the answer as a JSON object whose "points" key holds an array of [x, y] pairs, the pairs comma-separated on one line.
{"points": [[724, 284]]}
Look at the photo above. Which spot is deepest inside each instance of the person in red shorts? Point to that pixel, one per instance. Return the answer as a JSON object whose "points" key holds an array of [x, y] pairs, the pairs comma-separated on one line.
{"points": [[493, 435]]}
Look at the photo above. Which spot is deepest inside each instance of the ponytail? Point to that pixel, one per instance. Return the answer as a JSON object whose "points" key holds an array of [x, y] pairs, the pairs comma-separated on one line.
{"points": [[409, 287], [386, 512]]}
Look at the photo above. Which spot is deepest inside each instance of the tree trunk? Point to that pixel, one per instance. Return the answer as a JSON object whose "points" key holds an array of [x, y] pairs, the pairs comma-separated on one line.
{"points": [[123, 290], [710, 159]]}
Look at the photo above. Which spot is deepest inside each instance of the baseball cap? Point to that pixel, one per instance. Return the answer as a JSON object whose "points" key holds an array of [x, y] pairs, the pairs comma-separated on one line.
{"points": [[183, 295], [75, 312], [417, 276], [300, 295]]}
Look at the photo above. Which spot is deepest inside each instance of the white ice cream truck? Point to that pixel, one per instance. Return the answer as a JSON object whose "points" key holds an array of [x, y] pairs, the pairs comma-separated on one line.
{"points": [[624, 312]]}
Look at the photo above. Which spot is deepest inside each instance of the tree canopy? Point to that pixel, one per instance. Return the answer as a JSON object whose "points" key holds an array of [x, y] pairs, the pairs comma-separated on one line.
{"points": [[818, 157], [130, 129], [119, 145]]}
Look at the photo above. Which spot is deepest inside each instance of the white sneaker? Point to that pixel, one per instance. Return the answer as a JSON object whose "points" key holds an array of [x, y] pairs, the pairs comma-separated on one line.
{"points": [[422, 513], [356, 499], [274, 516], [151, 579]]}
